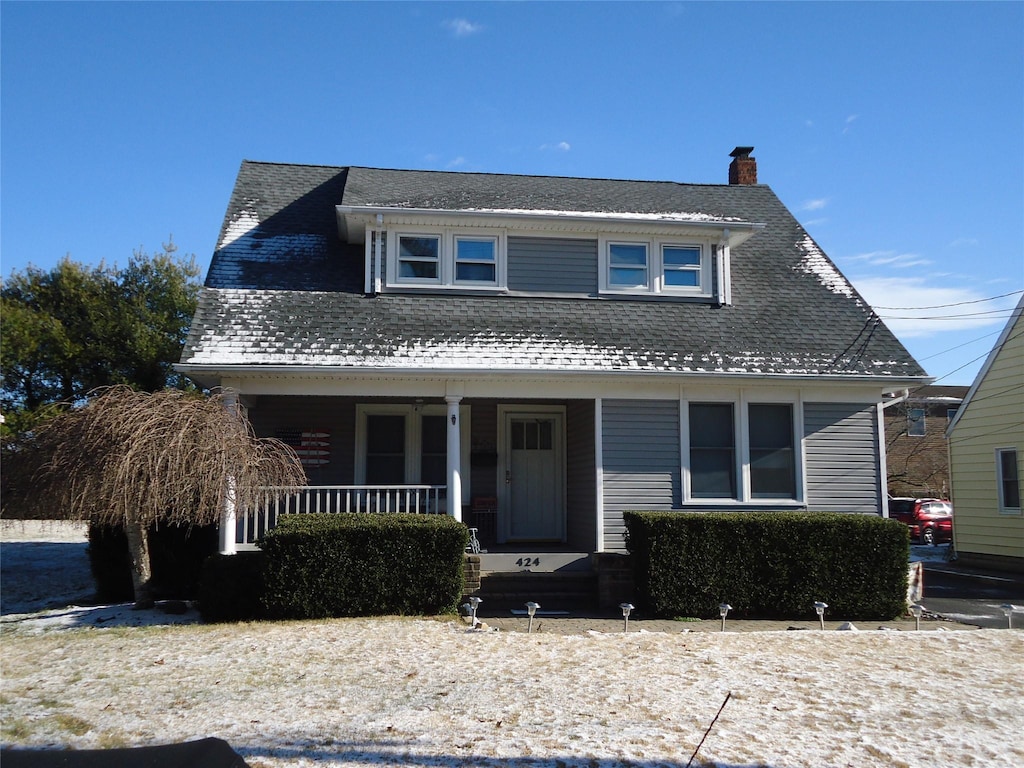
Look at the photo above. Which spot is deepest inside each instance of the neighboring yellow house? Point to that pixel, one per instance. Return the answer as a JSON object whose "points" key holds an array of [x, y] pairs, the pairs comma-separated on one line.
{"points": [[986, 458]]}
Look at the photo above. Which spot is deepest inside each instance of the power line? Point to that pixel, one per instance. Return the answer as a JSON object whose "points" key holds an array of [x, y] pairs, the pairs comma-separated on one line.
{"points": [[965, 344], [956, 304], [979, 357], [996, 312]]}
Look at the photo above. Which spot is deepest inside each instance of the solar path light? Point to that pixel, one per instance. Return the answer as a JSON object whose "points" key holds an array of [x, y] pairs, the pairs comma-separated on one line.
{"points": [[723, 611], [626, 608], [475, 603], [819, 608], [1008, 610], [917, 610], [531, 609]]}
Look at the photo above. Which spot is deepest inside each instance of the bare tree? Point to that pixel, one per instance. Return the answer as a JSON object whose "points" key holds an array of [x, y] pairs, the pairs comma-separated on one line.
{"points": [[135, 459]]}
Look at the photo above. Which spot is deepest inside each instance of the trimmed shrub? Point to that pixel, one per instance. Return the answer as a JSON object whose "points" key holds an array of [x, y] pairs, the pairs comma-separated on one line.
{"points": [[176, 554], [363, 565], [232, 587], [768, 564]]}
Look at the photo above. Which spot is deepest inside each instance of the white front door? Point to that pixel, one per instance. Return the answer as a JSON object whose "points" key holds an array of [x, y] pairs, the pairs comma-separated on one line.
{"points": [[534, 472]]}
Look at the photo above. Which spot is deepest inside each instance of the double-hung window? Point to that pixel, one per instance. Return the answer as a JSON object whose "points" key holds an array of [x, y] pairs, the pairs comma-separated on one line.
{"points": [[476, 260], [915, 422], [628, 265], [655, 267], [682, 266], [712, 451], [1008, 478], [419, 258], [772, 456]]}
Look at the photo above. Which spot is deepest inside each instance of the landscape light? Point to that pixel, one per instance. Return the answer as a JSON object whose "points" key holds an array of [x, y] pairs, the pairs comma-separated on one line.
{"points": [[820, 607], [723, 611], [626, 608], [531, 609], [1008, 610], [917, 610], [475, 602]]}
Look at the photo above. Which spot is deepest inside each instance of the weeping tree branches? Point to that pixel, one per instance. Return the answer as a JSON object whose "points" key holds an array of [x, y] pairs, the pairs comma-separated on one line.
{"points": [[135, 459]]}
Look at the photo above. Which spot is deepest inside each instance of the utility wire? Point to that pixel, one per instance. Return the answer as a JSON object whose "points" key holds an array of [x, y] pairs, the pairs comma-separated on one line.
{"points": [[979, 357], [956, 304], [958, 346], [997, 312]]}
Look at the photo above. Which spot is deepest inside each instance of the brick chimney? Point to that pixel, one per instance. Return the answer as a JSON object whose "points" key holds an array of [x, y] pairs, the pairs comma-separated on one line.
{"points": [[743, 168]]}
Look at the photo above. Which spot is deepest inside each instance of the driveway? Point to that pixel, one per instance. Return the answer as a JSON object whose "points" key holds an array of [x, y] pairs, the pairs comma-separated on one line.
{"points": [[971, 596]]}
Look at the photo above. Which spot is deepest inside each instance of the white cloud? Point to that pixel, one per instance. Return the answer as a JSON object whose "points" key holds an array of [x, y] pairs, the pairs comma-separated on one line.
{"points": [[849, 122], [463, 27], [903, 303], [561, 146], [891, 259], [965, 242], [814, 205], [460, 160]]}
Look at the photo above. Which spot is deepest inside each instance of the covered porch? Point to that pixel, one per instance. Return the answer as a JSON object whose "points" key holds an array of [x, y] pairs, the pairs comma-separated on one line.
{"points": [[522, 473]]}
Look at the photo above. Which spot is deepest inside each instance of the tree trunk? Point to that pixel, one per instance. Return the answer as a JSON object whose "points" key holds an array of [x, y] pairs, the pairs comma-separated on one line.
{"points": [[142, 570]]}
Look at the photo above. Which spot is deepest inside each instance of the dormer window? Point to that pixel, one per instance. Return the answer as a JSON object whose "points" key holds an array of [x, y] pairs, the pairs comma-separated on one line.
{"points": [[655, 267], [419, 258], [446, 258], [476, 259]]}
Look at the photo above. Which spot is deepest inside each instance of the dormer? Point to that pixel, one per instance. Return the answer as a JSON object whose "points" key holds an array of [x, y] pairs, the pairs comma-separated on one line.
{"points": [[634, 254]]}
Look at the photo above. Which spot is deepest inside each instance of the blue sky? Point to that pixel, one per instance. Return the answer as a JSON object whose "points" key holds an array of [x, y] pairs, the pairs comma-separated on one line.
{"points": [[893, 131]]}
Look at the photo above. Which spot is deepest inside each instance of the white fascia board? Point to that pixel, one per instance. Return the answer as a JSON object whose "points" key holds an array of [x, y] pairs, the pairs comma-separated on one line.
{"points": [[411, 380], [353, 220]]}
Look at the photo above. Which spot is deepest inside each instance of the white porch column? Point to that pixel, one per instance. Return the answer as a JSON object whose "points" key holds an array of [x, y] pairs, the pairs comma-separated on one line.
{"points": [[454, 430], [227, 512]]}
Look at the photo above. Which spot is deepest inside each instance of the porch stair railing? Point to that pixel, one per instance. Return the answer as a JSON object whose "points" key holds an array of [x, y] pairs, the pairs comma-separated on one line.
{"points": [[250, 526]]}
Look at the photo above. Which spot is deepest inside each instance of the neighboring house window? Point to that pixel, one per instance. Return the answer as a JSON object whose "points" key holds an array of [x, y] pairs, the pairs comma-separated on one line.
{"points": [[1009, 481], [915, 422], [772, 457], [655, 267], [951, 413], [447, 258], [712, 451]]}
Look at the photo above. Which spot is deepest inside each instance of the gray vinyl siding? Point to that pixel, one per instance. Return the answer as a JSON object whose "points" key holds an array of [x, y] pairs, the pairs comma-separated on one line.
{"points": [[842, 465], [552, 265], [581, 485], [640, 459]]}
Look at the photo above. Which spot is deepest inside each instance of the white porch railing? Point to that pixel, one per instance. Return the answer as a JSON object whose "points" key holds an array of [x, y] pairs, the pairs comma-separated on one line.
{"points": [[335, 499]]}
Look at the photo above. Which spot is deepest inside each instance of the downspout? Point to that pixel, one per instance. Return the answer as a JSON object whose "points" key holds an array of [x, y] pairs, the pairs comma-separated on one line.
{"points": [[377, 266]]}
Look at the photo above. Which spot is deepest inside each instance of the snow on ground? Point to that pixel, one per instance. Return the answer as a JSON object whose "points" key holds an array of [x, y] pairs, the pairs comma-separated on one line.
{"points": [[431, 692]]}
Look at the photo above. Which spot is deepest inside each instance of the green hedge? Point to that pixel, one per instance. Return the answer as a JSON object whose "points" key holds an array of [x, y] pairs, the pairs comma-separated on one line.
{"points": [[768, 564], [232, 587], [363, 565], [176, 554]]}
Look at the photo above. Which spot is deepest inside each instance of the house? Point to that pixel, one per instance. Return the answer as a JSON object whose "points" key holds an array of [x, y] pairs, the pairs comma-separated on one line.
{"points": [[915, 440], [534, 355], [986, 456]]}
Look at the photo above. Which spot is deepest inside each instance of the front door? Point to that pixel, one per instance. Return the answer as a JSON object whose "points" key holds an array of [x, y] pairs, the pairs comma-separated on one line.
{"points": [[534, 471]]}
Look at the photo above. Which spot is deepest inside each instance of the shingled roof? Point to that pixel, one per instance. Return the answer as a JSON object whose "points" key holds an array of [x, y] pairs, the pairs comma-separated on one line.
{"points": [[283, 289]]}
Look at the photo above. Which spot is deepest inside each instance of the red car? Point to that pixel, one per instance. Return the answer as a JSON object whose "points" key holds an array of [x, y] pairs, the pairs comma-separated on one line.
{"points": [[930, 520]]}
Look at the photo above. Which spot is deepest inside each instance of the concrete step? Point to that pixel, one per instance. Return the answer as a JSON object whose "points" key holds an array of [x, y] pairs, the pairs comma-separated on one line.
{"points": [[563, 590]]}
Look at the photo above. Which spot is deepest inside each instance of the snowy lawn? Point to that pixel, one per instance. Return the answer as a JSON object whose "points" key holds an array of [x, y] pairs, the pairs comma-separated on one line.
{"points": [[431, 692]]}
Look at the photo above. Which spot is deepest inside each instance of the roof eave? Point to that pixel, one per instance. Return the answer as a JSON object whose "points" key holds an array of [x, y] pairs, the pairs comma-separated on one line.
{"points": [[354, 219]]}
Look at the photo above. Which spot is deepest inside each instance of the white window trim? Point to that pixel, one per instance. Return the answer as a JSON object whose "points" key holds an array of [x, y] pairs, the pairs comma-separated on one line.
{"points": [[741, 445], [1003, 509], [656, 284], [447, 258], [413, 438]]}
